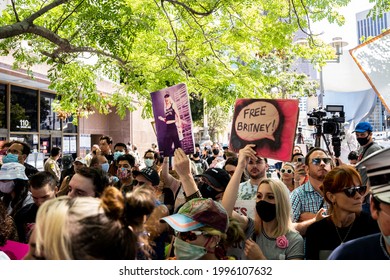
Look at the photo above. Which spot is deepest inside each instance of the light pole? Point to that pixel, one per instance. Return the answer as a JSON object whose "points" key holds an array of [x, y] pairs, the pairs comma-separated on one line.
{"points": [[338, 44]]}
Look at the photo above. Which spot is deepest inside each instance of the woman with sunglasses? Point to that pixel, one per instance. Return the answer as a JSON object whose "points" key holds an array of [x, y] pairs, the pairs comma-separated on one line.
{"points": [[344, 193], [287, 173]]}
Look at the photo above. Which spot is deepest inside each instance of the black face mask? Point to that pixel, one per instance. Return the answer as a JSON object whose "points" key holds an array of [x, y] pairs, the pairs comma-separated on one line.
{"points": [[363, 141], [208, 191], [266, 210], [196, 155], [215, 152]]}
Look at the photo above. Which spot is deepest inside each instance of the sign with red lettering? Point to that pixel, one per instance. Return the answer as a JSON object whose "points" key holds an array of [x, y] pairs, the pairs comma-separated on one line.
{"points": [[269, 123]]}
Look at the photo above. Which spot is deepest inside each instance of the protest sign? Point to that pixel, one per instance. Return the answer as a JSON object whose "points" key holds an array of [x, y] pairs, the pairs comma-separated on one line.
{"points": [[173, 121], [373, 59], [269, 123]]}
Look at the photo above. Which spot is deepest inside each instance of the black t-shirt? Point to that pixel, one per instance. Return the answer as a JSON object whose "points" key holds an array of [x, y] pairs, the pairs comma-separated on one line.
{"points": [[322, 237]]}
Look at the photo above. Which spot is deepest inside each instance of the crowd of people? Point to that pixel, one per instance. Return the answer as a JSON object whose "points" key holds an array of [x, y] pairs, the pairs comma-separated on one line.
{"points": [[213, 204]]}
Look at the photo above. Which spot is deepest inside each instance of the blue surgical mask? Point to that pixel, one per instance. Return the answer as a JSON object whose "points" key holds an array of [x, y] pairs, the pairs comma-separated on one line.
{"points": [[118, 154], [149, 162], [10, 158], [188, 251], [105, 166]]}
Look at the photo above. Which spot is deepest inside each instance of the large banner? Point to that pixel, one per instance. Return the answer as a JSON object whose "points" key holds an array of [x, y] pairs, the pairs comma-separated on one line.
{"points": [[373, 59], [269, 123], [173, 121]]}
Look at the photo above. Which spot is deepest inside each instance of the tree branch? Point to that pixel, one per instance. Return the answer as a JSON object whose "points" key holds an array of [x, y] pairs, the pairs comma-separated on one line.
{"points": [[15, 12], [192, 11]]}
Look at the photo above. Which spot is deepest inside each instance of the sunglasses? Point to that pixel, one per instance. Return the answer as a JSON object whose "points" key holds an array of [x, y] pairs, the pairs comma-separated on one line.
{"points": [[317, 161], [350, 192], [288, 171], [138, 183], [190, 235]]}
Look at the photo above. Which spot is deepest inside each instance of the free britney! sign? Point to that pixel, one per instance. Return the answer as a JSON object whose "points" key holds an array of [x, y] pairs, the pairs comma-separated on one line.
{"points": [[269, 123]]}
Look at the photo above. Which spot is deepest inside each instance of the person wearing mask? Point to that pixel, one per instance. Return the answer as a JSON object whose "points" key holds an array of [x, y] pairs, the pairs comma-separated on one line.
{"points": [[215, 157], [212, 183], [125, 172], [18, 152], [363, 132], [364, 137], [119, 150], [14, 187], [201, 165], [150, 159], [270, 234]]}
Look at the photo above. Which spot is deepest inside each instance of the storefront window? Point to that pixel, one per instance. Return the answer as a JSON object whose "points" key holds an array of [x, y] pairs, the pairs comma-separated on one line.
{"points": [[3, 106], [24, 107], [49, 119], [68, 126], [30, 139]]}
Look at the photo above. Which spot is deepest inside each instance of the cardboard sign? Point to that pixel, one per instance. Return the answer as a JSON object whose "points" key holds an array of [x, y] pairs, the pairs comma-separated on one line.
{"points": [[173, 120], [373, 59], [269, 123]]}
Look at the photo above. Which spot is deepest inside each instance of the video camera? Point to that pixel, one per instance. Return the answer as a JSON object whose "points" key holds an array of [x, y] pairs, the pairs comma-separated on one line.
{"points": [[329, 124]]}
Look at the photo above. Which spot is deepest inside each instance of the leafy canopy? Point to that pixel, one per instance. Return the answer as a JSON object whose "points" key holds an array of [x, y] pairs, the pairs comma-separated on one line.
{"points": [[222, 49]]}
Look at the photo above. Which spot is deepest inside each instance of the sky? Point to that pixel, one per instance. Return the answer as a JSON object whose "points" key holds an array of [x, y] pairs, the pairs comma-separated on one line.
{"points": [[348, 30], [344, 76]]}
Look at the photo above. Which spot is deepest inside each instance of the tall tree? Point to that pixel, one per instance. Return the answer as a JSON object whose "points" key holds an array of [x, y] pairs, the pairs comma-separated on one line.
{"points": [[222, 50]]}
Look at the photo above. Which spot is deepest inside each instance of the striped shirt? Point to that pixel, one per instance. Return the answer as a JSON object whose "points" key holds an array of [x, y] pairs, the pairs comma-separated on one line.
{"points": [[306, 199]]}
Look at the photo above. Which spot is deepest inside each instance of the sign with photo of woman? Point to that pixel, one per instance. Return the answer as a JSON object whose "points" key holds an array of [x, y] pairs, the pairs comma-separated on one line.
{"points": [[173, 121]]}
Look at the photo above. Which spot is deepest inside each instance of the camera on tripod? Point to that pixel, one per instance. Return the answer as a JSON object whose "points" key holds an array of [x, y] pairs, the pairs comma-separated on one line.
{"points": [[328, 125]]}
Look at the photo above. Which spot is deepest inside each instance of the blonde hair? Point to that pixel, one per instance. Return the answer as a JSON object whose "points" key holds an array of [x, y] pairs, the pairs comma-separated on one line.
{"points": [[84, 228], [283, 208]]}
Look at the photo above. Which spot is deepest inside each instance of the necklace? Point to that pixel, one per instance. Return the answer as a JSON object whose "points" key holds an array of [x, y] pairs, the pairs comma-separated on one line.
{"points": [[346, 235]]}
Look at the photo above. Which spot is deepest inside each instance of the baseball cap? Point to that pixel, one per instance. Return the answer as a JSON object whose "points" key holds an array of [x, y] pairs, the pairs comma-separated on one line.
{"points": [[377, 168], [150, 174], [81, 160], [363, 127], [218, 177], [197, 213], [13, 170]]}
